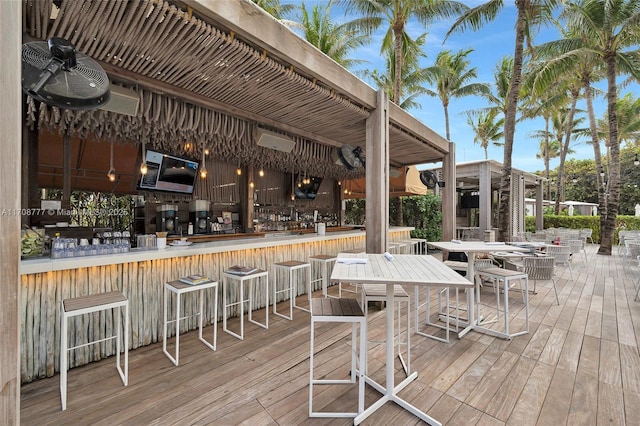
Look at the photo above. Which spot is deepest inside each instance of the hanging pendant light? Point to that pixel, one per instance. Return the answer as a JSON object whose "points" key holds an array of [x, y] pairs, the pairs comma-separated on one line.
{"points": [[203, 170], [143, 167], [261, 172], [239, 171], [111, 174]]}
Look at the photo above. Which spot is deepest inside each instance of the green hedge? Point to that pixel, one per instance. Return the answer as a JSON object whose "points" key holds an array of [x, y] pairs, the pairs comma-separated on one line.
{"points": [[580, 222]]}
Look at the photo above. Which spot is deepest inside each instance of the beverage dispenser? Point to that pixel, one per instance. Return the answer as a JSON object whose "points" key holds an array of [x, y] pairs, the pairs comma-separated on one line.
{"points": [[167, 218], [199, 216]]}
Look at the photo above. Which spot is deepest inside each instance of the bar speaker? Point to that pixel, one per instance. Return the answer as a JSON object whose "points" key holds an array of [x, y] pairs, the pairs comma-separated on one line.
{"points": [[123, 101]]}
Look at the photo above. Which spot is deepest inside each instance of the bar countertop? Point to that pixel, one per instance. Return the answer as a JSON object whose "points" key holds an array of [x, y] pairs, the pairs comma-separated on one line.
{"points": [[251, 241]]}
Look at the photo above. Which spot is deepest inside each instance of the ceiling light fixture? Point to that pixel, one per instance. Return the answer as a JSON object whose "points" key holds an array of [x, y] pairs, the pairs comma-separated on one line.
{"points": [[143, 167], [203, 170], [111, 174]]}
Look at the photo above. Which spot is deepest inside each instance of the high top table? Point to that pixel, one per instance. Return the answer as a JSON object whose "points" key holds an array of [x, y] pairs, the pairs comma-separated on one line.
{"points": [[471, 248], [406, 269]]}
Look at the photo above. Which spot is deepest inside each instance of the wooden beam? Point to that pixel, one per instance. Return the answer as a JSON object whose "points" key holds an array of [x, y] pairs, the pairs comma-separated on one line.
{"points": [[406, 121], [10, 178], [377, 176], [66, 171], [449, 194]]}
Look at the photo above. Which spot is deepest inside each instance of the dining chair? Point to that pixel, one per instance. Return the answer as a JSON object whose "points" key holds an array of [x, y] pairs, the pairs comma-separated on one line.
{"points": [[540, 268], [577, 247], [562, 256]]}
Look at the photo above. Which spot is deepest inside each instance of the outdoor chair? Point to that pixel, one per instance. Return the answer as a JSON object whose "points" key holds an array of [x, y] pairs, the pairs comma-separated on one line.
{"points": [[577, 247], [562, 256], [540, 268], [631, 251], [587, 233]]}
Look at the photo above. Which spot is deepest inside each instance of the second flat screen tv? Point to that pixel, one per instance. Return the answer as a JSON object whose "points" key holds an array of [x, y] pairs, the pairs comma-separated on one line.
{"points": [[169, 173]]}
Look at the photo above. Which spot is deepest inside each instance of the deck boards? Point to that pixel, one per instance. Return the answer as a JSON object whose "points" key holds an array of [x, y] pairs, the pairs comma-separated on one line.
{"points": [[578, 365]]}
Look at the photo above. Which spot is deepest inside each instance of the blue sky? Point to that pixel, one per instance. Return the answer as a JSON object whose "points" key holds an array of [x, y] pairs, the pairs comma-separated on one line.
{"points": [[490, 44]]}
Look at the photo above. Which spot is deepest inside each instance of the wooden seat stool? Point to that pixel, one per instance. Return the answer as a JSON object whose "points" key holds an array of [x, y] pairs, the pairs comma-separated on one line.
{"points": [[290, 267], [506, 277], [86, 305], [179, 288], [229, 279], [378, 293], [322, 264], [346, 311]]}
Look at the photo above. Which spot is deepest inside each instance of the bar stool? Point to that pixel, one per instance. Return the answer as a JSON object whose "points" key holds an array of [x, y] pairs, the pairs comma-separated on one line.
{"points": [[414, 245], [86, 305], [354, 285], [378, 293], [229, 279], [506, 276], [291, 267], [322, 263], [179, 288], [347, 311], [443, 312]]}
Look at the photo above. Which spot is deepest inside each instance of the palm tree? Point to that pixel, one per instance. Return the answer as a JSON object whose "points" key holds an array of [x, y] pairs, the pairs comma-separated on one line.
{"points": [[610, 32], [334, 40], [452, 77], [549, 149], [396, 13], [413, 77], [531, 13], [487, 129], [274, 8]]}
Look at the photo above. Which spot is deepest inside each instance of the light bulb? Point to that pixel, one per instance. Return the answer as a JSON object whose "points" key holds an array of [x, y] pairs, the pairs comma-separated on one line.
{"points": [[261, 173], [206, 151], [111, 175], [203, 173], [299, 184], [251, 185], [346, 191], [239, 171], [143, 168]]}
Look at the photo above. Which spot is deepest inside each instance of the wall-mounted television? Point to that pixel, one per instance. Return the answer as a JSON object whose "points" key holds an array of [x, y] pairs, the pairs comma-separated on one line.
{"points": [[469, 201], [169, 173], [306, 191]]}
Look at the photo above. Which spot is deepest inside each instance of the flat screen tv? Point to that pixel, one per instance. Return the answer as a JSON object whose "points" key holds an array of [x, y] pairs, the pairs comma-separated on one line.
{"points": [[469, 201], [169, 173], [306, 191]]}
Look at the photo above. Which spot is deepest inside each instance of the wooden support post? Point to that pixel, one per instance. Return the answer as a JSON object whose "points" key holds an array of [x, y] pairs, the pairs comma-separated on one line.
{"points": [[449, 194], [485, 196], [377, 176], [66, 171], [539, 205]]}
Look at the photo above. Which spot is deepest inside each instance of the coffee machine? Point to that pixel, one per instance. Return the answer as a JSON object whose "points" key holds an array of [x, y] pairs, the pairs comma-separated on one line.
{"points": [[199, 216], [167, 218]]}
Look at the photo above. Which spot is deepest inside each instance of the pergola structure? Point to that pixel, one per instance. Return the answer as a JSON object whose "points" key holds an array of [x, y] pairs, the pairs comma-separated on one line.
{"points": [[482, 178], [207, 72]]}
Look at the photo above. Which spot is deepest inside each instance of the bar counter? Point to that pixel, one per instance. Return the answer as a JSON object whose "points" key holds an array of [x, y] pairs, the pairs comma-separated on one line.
{"points": [[140, 275]]}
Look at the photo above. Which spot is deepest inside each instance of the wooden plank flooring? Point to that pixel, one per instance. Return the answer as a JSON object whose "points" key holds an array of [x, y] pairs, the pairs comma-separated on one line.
{"points": [[578, 365]]}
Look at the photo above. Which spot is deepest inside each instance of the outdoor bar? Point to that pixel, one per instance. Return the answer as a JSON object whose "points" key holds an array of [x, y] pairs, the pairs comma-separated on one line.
{"points": [[243, 165]]}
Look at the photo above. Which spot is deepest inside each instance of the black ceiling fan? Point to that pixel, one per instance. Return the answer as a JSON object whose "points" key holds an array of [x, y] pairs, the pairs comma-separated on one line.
{"points": [[351, 158], [54, 73]]}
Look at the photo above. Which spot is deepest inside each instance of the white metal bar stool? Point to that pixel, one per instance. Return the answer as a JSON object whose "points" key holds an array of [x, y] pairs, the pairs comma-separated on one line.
{"points": [[290, 267], [354, 285], [506, 277], [443, 313], [86, 305], [179, 288], [347, 311], [229, 279], [322, 264], [378, 293]]}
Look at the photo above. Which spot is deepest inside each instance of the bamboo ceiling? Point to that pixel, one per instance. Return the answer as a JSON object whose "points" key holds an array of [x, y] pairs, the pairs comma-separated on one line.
{"points": [[202, 86]]}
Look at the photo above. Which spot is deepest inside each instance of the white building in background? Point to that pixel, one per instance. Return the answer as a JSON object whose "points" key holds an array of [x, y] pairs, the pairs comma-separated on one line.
{"points": [[580, 208]]}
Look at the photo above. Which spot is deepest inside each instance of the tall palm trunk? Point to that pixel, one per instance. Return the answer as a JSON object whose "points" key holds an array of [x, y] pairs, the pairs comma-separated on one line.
{"points": [[504, 222], [609, 222], [399, 56], [565, 148], [445, 105], [597, 155], [546, 155]]}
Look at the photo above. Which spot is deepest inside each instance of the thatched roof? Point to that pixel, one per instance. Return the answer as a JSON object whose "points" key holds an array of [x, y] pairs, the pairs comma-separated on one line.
{"points": [[208, 73]]}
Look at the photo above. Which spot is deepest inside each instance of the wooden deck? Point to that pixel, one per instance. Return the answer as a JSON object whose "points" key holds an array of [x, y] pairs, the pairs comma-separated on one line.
{"points": [[579, 365]]}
